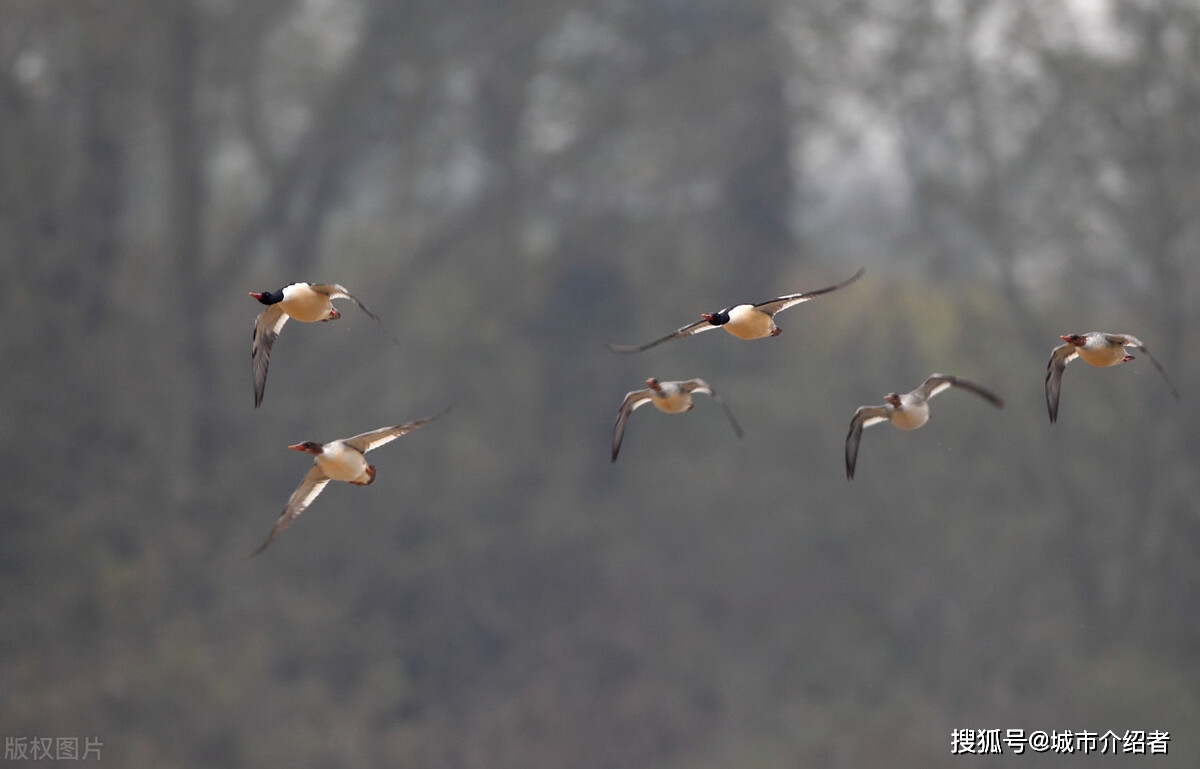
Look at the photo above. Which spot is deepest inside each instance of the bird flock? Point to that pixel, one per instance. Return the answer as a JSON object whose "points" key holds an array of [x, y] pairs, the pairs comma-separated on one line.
{"points": [[344, 459]]}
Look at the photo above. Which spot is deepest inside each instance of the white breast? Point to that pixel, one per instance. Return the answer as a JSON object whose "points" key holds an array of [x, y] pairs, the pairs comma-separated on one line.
{"points": [[304, 304], [342, 463], [746, 322], [1102, 354], [911, 416], [673, 400]]}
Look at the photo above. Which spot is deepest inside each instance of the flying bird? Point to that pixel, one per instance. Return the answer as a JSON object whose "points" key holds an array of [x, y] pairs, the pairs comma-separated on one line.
{"points": [[305, 302], [340, 460], [745, 321], [1096, 348], [906, 412], [670, 397]]}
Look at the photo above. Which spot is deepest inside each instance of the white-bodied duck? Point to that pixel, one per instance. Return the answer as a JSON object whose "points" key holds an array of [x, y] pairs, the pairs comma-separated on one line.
{"points": [[305, 302], [745, 321], [1096, 348], [669, 397], [906, 412], [340, 460]]}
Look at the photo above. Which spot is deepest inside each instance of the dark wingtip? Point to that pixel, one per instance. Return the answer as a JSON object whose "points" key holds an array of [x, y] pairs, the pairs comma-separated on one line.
{"points": [[861, 271]]}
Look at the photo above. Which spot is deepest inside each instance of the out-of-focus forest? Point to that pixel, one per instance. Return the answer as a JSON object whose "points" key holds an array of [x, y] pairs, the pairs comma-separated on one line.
{"points": [[510, 185]]}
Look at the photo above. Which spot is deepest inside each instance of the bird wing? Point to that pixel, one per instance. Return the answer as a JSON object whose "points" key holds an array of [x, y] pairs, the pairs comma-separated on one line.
{"points": [[266, 329], [1126, 340], [864, 416], [772, 306], [373, 439], [338, 291], [691, 329], [1059, 358], [700, 386], [312, 485], [632, 402], [937, 383]]}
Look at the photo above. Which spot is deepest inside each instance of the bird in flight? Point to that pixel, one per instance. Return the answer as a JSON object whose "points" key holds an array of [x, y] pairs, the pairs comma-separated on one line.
{"points": [[1096, 348], [305, 302], [745, 321], [340, 460], [906, 412], [669, 397]]}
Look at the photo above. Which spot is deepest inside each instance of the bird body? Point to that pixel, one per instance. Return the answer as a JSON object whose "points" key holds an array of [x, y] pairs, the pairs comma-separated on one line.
{"points": [[911, 413], [907, 411], [668, 397], [673, 397], [1096, 348], [745, 321], [339, 461], [305, 302]]}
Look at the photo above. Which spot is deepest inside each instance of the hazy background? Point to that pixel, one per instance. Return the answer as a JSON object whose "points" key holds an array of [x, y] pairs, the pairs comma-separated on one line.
{"points": [[510, 185]]}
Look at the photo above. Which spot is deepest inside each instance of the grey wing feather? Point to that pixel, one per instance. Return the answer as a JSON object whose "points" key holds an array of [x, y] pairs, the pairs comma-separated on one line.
{"points": [[373, 439], [338, 291], [266, 330], [1059, 358], [773, 306], [633, 400], [937, 383], [1125, 340], [864, 416], [308, 490], [691, 329], [700, 386]]}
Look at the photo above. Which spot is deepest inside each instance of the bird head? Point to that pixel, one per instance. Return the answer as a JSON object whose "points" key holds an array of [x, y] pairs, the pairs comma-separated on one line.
{"points": [[268, 297]]}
